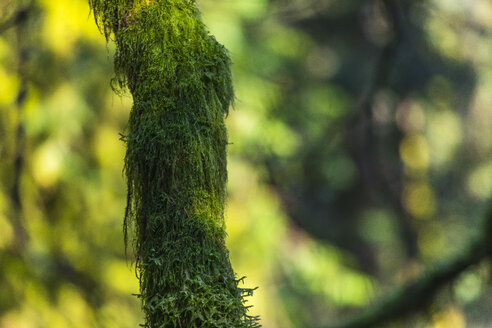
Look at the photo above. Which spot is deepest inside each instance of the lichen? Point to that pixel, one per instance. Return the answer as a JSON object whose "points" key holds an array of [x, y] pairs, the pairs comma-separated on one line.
{"points": [[175, 164]]}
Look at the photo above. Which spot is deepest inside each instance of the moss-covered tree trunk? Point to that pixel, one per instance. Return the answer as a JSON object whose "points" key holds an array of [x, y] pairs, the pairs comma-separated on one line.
{"points": [[175, 164]]}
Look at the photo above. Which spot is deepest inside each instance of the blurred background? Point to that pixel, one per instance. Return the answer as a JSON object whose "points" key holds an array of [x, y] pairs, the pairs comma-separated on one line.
{"points": [[361, 155]]}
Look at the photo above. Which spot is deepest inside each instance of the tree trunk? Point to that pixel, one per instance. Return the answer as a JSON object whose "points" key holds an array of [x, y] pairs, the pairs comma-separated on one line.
{"points": [[175, 164]]}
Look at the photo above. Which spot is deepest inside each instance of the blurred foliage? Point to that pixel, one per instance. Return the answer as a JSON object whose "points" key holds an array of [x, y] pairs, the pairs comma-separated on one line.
{"points": [[362, 143]]}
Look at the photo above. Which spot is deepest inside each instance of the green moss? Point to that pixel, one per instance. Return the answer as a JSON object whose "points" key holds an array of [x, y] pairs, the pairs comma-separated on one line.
{"points": [[175, 164]]}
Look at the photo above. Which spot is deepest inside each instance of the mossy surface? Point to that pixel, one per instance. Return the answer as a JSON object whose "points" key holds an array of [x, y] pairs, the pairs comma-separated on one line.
{"points": [[175, 164]]}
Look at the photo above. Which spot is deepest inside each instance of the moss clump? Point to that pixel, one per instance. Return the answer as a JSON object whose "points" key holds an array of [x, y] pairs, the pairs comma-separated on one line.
{"points": [[175, 164]]}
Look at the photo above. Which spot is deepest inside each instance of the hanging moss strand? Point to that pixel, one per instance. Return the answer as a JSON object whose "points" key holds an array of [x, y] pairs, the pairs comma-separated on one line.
{"points": [[175, 164]]}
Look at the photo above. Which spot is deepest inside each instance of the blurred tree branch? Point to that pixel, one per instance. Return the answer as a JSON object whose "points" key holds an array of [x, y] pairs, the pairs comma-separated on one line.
{"points": [[395, 13], [417, 295], [357, 129], [18, 17]]}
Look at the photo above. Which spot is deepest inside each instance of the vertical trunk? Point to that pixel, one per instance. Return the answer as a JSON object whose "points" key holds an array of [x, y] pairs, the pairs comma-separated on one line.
{"points": [[175, 163]]}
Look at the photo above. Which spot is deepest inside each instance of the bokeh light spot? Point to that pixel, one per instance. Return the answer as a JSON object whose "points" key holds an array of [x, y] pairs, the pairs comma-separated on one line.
{"points": [[419, 199], [414, 152], [47, 164], [452, 317], [444, 135], [480, 181]]}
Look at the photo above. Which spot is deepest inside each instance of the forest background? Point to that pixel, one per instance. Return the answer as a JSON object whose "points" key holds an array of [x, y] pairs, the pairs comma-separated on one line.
{"points": [[361, 156]]}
